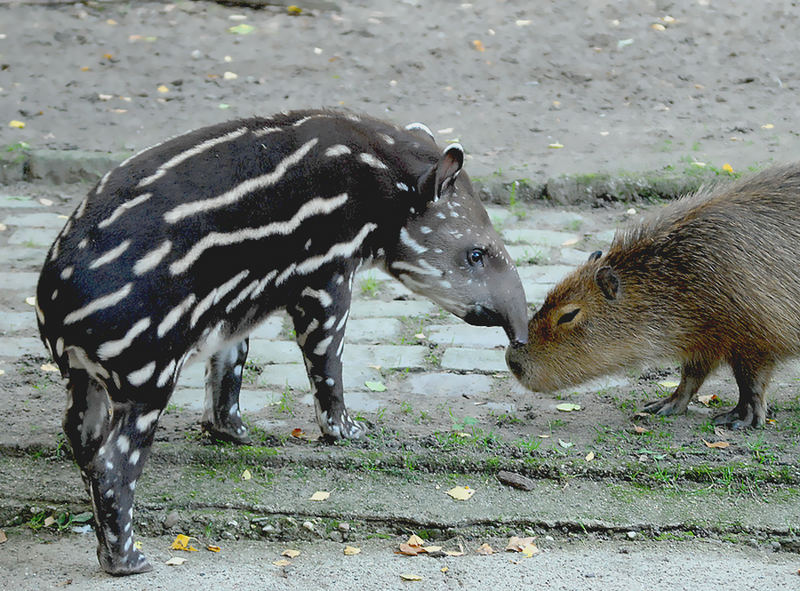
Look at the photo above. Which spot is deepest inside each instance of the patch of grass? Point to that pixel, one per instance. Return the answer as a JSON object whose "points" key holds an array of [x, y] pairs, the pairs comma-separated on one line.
{"points": [[286, 403], [370, 286]]}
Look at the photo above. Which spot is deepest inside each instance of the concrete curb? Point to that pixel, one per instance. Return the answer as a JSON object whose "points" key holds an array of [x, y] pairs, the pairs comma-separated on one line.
{"points": [[58, 167]]}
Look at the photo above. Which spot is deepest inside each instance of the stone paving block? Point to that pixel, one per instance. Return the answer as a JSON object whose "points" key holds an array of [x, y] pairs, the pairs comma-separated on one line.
{"points": [[249, 400], [281, 375], [389, 287], [556, 218], [18, 201], [19, 281], [18, 322], [447, 384], [15, 347], [541, 237], [528, 254], [482, 360], [386, 356], [370, 330], [23, 257], [270, 352], [605, 236], [37, 219], [573, 256], [535, 293], [464, 335], [270, 329], [34, 237], [355, 401], [550, 274], [393, 309]]}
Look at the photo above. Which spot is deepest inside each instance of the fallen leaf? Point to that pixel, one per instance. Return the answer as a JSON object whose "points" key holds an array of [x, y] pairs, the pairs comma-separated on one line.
{"points": [[175, 561], [516, 544], [570, 242], [2, 372], [291, 553], [453, 553], [668, 384], [707, 399], [444, 569], [415, 540], [111, 22], [49, 521], [16, 124], [213, 548], [242, 29], [485, 550], [281, 562], [246, 474], [294, 10], [767, 126], [555, 145], [320, 495], [375, 367], [478, 44], [590, 456], [640, 430], [49, 367], [375, 386], [138, 545], [658, 27], [351, 550], [568, 407], [461, 493], [230, 76], [3, 536], [727, 168], [181, 542], [31, 300], [565, 444], [162, 88], [298, 433], [431, 549], [409, 550], [420, 336], [408, 577], [717, 444]]}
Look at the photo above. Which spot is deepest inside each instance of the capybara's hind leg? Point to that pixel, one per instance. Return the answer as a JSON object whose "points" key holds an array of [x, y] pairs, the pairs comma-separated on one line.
{"points": [[693, 374], [752, 376]]}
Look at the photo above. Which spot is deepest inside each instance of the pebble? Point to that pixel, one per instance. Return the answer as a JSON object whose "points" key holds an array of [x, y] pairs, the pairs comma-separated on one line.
{"points": [[171, 520], [632, 535]]}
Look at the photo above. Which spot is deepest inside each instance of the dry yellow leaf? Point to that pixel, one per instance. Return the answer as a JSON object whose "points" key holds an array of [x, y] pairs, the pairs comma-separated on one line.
{"points": [[351, 550], [707, 399], [181, 542], [281, 562], [668, 384], [767, 126], [409, 550], [640, 430], [478, 44], [291, 553], [453, 553], [16, 124], [320, 495], [294, 10], [658, 27], [409, 577], [727, 168], [3, 537], [49, 367], [444, 569], [555, 145], [516, 544], [590, 456], [717, 444], [175, 561], [485, 550], [461, 493], [530, 550], [415, 540], [430, 549], [213, 548], [162, 88], [570, 242], [246, 474]]}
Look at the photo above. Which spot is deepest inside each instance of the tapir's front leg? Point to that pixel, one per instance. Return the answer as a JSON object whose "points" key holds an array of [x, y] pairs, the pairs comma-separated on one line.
{"points": [[320, 317], [222, 417]]}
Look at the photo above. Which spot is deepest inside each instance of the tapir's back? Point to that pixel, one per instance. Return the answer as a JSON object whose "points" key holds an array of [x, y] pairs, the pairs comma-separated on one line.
{"points": [[207, 222]]}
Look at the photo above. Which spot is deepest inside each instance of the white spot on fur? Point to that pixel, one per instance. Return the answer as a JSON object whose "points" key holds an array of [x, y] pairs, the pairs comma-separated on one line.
{"points": [[123, 208], [111, 349], [372, 161], [111, 255], [101, 303], [152, 259], [406, 239], [337, 150]]}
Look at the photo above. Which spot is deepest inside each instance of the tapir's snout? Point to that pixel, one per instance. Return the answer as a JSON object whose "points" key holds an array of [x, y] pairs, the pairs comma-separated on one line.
{"points": [[510, 312]]}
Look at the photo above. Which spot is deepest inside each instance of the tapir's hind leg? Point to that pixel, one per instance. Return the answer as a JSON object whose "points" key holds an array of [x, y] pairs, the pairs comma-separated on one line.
{"points": [[110, 442], [222, 417]]}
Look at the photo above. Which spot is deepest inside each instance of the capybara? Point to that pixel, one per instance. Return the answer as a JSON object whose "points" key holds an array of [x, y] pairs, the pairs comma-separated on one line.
{"points": [[710, 278]]}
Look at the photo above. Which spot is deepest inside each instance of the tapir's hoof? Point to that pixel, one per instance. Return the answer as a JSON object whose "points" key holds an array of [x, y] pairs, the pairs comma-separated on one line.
{"points": [[134, 564], [341, 426], [233, 433]]}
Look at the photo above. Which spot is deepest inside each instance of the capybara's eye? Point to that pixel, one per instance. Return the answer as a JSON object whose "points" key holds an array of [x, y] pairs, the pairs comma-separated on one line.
{"points": [[569, 316]]}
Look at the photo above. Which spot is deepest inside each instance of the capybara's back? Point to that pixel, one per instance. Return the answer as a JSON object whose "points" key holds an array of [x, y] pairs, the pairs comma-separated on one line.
{"points": [[710, 278]]}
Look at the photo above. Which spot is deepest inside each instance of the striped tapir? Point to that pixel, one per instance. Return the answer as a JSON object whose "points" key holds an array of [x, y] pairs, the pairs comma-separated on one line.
{"points": [[184, 248]]}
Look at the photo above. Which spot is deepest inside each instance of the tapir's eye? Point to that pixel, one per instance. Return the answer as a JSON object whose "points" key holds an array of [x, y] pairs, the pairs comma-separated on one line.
{"points": [[568, 316], [476, 256]]}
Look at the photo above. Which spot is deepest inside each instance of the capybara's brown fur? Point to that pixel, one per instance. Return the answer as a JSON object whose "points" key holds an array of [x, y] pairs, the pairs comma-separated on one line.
{"points": [[711, 278]]}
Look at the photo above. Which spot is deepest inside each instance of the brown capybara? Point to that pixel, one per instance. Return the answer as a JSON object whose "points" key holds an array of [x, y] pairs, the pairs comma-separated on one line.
{"points": [[710, 278]]}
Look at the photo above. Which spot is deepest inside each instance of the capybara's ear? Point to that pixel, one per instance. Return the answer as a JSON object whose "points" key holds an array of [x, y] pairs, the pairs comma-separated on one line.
{"points": [[595, 255], [608, 282]]}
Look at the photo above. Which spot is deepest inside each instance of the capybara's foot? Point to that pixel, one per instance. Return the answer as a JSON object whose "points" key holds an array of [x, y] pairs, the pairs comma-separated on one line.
{"points": [[666, 406], [752, 415]]}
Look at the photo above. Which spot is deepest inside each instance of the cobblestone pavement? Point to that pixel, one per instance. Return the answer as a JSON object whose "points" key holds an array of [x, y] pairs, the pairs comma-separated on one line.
{"points": [[393, 335]]}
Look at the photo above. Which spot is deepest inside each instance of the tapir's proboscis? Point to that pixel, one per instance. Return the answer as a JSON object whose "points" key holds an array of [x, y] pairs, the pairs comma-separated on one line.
{"points": [[180, 251]]}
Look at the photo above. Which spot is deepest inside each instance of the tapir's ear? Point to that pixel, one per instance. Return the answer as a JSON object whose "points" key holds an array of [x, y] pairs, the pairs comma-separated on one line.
{"points": [[420, 127], [442, 174], [608, 282]]}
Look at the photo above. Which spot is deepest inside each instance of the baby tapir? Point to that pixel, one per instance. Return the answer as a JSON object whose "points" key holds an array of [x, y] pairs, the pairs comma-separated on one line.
{"points": [[710, 278], [184, 248]]}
